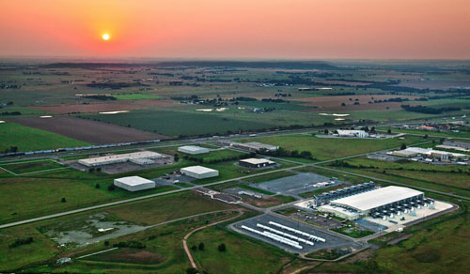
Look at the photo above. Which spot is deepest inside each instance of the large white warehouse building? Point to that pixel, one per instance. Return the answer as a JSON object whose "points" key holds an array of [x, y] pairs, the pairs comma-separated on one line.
{"points": [[134, 183], [385, 200], [193, 150], [136, 157], [199, 172]]}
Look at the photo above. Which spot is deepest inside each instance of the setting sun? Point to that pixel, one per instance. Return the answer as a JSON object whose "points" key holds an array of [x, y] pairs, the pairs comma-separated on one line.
{"points": [[105, 36]]}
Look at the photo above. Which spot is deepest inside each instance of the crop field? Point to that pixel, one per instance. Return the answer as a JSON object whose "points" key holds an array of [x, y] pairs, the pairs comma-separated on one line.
{"points": [[327, 148], [88, 131], [352, 102], [27, 138], [163, 122], [125, 104]]}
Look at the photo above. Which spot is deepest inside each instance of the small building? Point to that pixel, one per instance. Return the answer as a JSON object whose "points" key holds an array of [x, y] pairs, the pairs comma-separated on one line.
{"points": [[193, 150], [199, 172], [352, 133], [256, 163], [134, 183]]}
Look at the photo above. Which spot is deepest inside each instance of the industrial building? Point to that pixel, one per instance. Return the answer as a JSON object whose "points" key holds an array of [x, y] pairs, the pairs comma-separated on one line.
{"points": [[377, 202], [193, 150], [455, 145], [256, 163], [134, 183], [255, 147], [140, 158], [430, 153], [352, 133], [199, 172]]}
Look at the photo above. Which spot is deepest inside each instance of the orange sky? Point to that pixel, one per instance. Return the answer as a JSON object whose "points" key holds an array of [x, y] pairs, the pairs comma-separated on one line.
{"points": [[403, 29]]}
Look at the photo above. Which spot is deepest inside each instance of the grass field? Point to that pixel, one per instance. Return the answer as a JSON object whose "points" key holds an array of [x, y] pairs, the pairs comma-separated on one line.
{"points": [[243, 255], [136, 96], [165, 240], [454, 176], [23, 167], [27, 138], [175, 123], [328, 148]]}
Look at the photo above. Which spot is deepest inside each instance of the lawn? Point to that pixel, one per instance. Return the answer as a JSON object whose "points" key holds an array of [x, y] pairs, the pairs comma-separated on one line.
{"points": [[242, 255], [31, 166], [220, 155], [27, 138], [329, 148]]}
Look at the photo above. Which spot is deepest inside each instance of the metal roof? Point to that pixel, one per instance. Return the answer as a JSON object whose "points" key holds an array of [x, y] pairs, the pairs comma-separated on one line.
{"points": [[377, 197], [257, 161], [134, 181], [198, 169]]}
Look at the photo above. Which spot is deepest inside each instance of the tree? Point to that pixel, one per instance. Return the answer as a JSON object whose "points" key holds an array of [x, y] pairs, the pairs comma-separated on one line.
{"points": [[191, 270], [403, 146], [97, 186], [326, 131], [194, 248], [176, 157], [63, 200], [201, 246], [389, 131], [222, 247], [106, 243], [111, 187]]}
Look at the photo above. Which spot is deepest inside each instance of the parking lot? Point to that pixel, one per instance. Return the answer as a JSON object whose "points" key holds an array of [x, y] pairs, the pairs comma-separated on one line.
{"points": [[296, 184], [331, 240], [172, 179]]}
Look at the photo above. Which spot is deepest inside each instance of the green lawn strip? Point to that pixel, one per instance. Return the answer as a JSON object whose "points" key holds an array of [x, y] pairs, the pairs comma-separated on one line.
{"points": [[28, 139]]}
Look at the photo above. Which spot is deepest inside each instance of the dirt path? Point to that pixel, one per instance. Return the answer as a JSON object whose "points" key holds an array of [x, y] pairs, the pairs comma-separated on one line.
{"points": [[186, 237]]}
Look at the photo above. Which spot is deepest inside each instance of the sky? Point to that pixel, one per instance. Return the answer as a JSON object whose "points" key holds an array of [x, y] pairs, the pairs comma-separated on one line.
{"points": [[271, 29]]}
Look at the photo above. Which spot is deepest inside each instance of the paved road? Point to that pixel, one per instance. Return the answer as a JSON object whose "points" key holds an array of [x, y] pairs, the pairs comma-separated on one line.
{"points": [[301, 165]]}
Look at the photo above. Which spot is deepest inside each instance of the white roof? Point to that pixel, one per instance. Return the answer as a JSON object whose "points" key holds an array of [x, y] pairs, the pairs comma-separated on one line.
{"points": [[198, 169], [256, 161], [193, 148], [133, 180], [377, 197], [122, 157]]}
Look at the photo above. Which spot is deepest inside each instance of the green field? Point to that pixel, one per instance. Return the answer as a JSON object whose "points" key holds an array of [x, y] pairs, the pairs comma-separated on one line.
{"points": [[166, 240], [176, 123], [452, 176], [31, 166], [243, 255], [27, 139], [136, 96], [330, 148]]}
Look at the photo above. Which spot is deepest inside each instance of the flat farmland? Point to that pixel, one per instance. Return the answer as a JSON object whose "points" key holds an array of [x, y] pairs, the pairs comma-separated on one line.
{"points": [[333, 103], [27, 138], [88, 131], [174, 123], [328, 148], [126, 103]]}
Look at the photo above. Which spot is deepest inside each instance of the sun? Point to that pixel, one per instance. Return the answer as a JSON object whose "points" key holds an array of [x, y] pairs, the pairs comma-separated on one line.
{"points": [[105, 36]]}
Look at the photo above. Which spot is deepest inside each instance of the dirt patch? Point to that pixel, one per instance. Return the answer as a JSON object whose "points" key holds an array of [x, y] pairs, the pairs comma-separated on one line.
{"points": [[89, 131], [108, 106], [333, 103]]}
